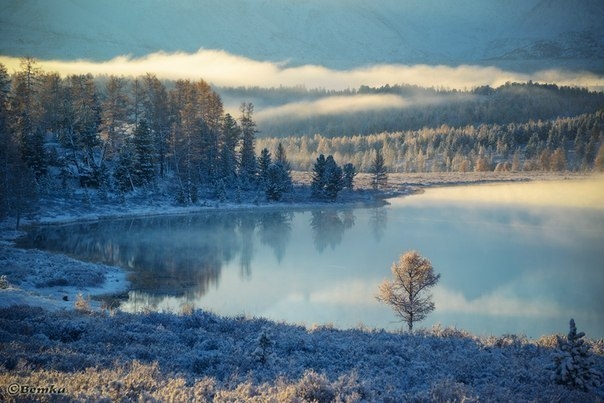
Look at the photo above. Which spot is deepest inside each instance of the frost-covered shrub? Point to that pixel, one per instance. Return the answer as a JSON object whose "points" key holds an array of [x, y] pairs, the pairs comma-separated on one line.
{"points": [[448, 390], [573, 362], [264, 348], [4, 284], [314, 387], [82, 304]]}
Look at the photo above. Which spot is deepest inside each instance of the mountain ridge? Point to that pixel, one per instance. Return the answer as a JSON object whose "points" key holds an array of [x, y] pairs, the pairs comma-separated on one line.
{"points": [[522, 35]]}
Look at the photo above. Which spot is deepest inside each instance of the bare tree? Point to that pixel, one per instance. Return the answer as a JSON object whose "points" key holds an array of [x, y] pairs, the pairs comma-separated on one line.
{"points": [[406, 294]]}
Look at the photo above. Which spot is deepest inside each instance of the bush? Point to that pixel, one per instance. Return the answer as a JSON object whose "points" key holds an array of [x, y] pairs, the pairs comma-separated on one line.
{"points": [[573, 362], [4, 284]]}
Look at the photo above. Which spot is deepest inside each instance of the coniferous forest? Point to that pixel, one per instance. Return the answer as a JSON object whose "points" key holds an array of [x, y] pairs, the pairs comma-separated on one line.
{"points": [[114, 136]]}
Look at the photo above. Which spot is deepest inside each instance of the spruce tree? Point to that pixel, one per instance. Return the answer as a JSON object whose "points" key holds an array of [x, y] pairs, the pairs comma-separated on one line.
{"points": [[124, 172], [333, 179], [231, 135], [144, 154], [318, 178], [327, 178], [247, 161], [379, 177], [264, 161], [349, 172], [277, 181], [574, 365]]}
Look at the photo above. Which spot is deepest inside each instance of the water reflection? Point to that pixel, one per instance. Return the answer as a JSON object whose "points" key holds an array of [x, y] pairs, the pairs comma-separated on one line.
{"points": [[507, 267], [378, 221], [176, 255], [329, 226]]}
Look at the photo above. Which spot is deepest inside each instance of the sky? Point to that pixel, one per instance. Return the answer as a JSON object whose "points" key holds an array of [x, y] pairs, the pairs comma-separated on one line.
{"points": [[331, 44]]}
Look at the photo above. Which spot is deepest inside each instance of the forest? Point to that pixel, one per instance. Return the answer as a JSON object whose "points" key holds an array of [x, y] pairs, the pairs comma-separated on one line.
{"points": [[107, 137]]}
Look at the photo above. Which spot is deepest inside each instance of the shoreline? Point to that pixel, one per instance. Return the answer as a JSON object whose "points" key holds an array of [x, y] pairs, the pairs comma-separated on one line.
{"points": [[58, 268]]}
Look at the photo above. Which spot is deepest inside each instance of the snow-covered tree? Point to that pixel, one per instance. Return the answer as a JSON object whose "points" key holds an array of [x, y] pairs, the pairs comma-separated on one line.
{"points": [[379, 176], [406, 294], [144, 149], [247, 160], [349, 172], [333, 179], [264, 349], [124, 170], [318, 178], [264, 161], [574, 365], [277, 181], [327, 178], [231, 134]]}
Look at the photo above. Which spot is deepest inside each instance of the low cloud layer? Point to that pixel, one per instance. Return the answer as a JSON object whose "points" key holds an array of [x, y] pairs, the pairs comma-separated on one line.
{"points": [[225, 69], [333, 105]]}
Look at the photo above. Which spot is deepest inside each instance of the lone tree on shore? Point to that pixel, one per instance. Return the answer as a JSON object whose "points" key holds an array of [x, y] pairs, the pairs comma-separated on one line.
{"points": [[406, 294]]}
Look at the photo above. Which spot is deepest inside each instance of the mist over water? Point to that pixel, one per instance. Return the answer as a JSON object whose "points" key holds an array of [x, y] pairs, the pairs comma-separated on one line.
{"points": [[514, 258]]}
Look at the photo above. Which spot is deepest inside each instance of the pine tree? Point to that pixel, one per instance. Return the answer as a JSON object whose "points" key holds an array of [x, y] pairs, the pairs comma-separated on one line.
{"points": [[247, 167], [327, 178], [349, 172], [318, 178], [333, 179], [281, 158], [379, 178], [156, 107], [124, 173], [277, 182], [574, 365], [231, 135], [144, 170], [264, 161], [114, 115], [25, 116]]}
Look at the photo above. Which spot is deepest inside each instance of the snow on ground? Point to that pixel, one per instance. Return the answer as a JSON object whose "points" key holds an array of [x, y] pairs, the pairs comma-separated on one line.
{"points": [[52, 281], [203, 357]]}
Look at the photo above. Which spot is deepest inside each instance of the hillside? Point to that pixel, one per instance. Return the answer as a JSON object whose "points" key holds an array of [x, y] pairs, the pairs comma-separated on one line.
{"points": [[517, 35]]}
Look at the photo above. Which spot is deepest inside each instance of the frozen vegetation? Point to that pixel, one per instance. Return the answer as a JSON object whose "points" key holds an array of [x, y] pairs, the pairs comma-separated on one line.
{"points": [[199, 356], [90, 352]]}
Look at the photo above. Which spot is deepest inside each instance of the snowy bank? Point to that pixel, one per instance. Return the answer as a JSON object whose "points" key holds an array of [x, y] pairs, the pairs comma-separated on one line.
{"points": [[52, 281], [198, 356]]}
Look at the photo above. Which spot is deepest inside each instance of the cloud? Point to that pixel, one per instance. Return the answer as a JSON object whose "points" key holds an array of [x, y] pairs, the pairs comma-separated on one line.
{"points": [[497, 303], [587, 193], [333, 105], [225, 69]]}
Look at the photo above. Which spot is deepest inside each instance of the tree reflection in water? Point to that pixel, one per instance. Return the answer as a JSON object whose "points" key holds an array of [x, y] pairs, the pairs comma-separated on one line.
{"points": [[171, 255]]}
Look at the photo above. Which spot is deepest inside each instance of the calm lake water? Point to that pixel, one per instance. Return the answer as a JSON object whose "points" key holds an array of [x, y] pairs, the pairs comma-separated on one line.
{"points": [[517, 258]]}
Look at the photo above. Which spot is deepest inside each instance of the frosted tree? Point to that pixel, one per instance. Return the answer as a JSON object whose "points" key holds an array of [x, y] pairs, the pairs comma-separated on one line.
{"points": [[573, 362], [349, 172], [143, 145], [379, 176], [406, 294], [327, 179], [277, 181], [318, 177], [264, 349], [231, 134], [333, 178], [264, 161], [247, 161]]}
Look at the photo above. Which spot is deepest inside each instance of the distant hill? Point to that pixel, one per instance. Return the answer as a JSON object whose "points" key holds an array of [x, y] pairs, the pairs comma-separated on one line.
{"points": [[522, 35]]}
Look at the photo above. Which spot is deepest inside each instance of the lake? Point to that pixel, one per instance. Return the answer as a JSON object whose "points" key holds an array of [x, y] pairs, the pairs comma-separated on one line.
{"points": [[518, 258]]}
